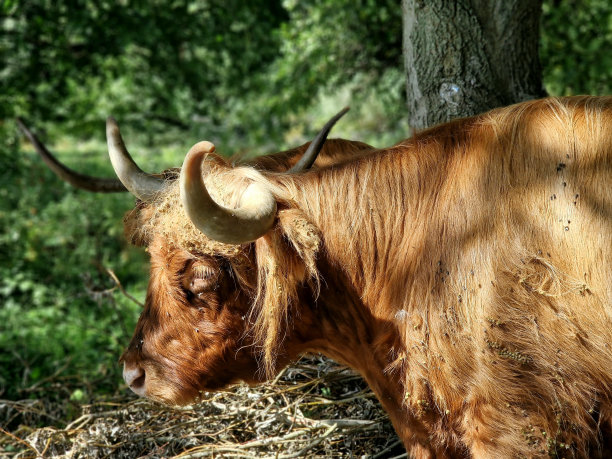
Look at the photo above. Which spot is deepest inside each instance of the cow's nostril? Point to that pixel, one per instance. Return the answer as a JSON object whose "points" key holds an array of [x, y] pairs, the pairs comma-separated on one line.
{"points": [[139, 382], [135, 377]]}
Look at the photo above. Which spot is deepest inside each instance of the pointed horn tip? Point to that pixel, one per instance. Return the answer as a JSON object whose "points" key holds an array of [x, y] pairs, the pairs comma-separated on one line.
{"points": [[111, 125], [201, 148], [337, 116], [196, 154]]}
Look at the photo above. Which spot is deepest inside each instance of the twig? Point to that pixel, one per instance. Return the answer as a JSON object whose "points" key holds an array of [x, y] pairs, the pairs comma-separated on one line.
{"points": [[84, 419], [46, 447], [26, 406], [113, 276], [23, 442], [341, 423], [386, 450], [310, 445], [55, 374]]}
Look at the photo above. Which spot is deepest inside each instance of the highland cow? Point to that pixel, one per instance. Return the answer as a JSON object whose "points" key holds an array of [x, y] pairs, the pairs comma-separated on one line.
{"points": [[465, 273]]}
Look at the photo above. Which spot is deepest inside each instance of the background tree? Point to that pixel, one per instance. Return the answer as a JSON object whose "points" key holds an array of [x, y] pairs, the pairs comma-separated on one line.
{"points": [[464, 58]]}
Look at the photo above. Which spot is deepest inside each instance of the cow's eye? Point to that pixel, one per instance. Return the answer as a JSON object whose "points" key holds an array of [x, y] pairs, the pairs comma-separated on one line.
{"points": [[200, 278]]}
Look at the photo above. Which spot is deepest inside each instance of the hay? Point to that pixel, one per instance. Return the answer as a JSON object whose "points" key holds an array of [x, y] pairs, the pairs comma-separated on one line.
{"points": [[313, 409]]}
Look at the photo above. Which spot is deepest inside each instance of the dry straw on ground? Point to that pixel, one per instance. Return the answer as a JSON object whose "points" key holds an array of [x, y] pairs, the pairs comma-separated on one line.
{"points": [[314, 409]]}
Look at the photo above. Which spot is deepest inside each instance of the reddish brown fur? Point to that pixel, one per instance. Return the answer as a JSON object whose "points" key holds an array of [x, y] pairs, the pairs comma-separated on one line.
{"points": [[466, 274]]}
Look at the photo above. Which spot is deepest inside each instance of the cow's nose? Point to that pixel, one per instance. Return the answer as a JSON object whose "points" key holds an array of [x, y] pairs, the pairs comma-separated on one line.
{"points": [[134, 376]]}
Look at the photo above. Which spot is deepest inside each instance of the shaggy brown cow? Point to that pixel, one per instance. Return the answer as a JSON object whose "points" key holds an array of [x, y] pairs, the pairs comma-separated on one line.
{"points": [[466, 273]]}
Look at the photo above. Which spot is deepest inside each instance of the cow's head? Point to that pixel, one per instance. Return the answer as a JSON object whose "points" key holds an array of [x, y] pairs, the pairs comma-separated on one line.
{"points": [[192, 334], [226, 264]]}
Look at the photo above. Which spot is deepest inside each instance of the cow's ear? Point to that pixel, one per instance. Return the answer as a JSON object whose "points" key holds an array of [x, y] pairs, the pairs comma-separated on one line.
{"points": [[201, 277]]}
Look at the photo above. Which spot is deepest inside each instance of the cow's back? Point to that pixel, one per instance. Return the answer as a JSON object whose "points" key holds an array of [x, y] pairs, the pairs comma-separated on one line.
{"points": [[521, 307]]}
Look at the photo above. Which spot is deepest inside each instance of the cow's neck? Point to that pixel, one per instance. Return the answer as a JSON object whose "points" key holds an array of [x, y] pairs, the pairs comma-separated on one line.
{"points": [[369, 249], [338, 325]]}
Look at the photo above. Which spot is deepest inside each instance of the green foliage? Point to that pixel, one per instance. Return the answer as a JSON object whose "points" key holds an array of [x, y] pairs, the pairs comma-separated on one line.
{"points": [[234, 72], [74, 61], [58, 319], [575, 46], [321, 55]]}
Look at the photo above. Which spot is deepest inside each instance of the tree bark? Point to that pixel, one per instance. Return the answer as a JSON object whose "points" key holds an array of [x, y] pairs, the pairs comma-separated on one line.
{"points": [[464, 57]]}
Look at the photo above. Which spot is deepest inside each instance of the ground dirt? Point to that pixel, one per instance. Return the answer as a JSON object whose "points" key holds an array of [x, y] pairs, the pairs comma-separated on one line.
{"points": [[313, 409]]}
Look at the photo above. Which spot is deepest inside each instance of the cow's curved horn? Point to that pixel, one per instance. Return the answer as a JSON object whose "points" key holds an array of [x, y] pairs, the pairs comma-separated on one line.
{"points": [[76, 179], [309, 157], [251, 220], [142, 185]]}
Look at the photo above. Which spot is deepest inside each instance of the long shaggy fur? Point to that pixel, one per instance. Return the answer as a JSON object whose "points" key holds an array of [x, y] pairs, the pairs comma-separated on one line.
{"points": [[473, 262], [488, 242]]}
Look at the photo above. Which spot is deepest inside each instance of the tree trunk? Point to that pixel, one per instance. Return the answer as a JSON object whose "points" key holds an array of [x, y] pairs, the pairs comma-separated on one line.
{"points": [[467, 56]]}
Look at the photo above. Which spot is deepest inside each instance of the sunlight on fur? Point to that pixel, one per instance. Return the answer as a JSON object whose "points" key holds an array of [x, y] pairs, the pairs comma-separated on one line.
{"points": [[476, 262]]}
